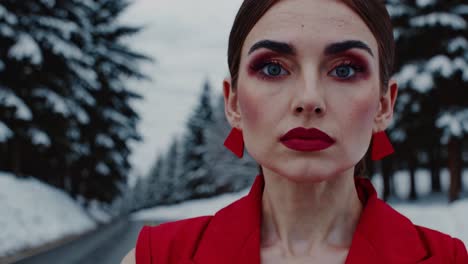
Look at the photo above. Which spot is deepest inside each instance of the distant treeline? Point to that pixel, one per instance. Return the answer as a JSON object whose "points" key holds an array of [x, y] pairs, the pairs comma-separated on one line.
{"points": [[197, 165]]}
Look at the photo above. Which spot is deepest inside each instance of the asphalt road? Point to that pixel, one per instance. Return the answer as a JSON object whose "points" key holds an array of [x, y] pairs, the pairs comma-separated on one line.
{"points": [[106, 246], [116, 247]]}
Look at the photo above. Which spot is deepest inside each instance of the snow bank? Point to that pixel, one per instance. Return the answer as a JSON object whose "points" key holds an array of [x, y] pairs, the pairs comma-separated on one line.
{"points": [[193, 208], [33, 213]]}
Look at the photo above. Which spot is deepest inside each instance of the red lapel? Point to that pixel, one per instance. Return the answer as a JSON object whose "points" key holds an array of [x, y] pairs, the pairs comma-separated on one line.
{"points": [[233, 235], [382, 235]]}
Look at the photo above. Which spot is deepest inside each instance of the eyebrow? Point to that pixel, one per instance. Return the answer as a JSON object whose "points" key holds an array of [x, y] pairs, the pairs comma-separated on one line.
{"points": [[330, 49], [340, 47], [279, 47]]}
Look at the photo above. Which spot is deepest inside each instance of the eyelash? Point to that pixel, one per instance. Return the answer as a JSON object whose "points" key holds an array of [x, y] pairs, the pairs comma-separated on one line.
{"points": [[358, 68], [258, 67]]}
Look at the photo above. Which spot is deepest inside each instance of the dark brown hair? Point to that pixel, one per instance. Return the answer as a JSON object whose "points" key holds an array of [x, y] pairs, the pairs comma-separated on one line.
{"points": [[372, 12]]}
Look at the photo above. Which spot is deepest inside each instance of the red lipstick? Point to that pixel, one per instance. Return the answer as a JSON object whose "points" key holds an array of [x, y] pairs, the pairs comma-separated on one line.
{"points": [[302, 139]]}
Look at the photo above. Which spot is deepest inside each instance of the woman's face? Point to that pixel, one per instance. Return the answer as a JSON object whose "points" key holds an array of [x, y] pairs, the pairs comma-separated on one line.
{"points": [[300, 56]]}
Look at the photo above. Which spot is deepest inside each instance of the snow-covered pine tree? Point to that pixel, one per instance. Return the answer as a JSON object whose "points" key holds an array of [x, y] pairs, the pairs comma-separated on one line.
{"points": [[230, 173], [153, 190], [173, 183], [40, 43], [432, 71], [163, 179], [197, 174], [53, 82], [113, 121], [227, 172], [139, 191]]}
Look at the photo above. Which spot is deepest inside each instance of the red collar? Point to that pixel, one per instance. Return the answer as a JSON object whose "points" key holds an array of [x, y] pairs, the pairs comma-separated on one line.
{"points": [[382, 234]]}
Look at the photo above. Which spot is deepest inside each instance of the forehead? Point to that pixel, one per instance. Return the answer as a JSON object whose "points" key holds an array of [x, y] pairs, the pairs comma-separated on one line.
{"points": [[310, 24]]}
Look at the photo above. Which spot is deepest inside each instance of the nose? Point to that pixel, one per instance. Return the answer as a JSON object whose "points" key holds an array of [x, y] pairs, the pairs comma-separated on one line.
{"points": [[309, 99], [317, 110]]}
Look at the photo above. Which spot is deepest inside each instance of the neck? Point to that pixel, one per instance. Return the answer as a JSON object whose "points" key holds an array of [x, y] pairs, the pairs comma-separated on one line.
{"points": [[302, 218]]}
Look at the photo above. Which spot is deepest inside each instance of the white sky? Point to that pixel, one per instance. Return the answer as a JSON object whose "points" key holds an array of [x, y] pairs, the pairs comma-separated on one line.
{"points": [[189, 40]]}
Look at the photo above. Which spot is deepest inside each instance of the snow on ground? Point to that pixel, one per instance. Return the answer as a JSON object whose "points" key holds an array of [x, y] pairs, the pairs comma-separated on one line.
{"points": [[193, 208], [33, 213], [431, 211]]}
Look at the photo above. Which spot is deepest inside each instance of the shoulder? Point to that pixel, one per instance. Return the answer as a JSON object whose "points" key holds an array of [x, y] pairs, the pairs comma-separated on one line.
{"points": [[440, 243], [157, 243], [185, 226], [390, 232], [129, 258]]}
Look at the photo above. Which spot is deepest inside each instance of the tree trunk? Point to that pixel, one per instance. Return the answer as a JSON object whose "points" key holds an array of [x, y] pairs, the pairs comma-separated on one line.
{"points": [[67, 181], [16, 158], [435, 168], [4, 162], [387, 173], [454, 166], [412, 169]]}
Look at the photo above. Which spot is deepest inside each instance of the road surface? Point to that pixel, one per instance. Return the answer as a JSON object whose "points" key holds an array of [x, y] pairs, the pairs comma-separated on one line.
{"points": [[107, 246]]}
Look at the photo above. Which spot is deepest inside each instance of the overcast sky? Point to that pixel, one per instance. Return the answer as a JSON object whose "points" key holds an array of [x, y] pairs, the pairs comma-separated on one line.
{"points": [[188, 39]]}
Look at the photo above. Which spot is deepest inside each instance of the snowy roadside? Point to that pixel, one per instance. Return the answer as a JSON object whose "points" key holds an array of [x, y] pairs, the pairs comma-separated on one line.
{"points": [[33, 214]]}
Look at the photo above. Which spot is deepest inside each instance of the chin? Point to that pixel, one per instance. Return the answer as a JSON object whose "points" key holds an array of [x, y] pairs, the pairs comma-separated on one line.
{"points": [[310, 171], [304, 173]]}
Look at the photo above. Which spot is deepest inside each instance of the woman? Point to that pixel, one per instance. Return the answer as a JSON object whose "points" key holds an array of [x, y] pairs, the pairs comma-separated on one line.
{"points": [[309, 91]]}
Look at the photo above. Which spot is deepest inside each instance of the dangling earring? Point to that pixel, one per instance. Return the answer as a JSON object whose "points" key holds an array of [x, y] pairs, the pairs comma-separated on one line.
{"points": [[381, 146], [235, 142]]}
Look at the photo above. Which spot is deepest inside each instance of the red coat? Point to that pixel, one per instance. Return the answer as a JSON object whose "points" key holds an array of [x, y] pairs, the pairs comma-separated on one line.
{"points": [[232, 235]]}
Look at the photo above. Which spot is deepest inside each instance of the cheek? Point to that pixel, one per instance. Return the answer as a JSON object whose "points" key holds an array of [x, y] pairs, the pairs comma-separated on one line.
{"points": [[361, 122], [364, 111], [356, 115], [360, 106], [250, 106]]}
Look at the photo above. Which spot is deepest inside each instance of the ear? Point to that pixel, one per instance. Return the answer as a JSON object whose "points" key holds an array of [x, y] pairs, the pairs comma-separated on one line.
{"points": [[231, 104], [386, 105]]}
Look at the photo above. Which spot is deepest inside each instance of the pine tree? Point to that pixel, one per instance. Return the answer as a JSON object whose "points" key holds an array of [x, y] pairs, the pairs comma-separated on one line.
{"points": [[113, 121], [173, 181], [170, 176], [197, 172], [230, 173], [164, 179], [40, 45], [139, 192], [154, 190], [432, 71], [64, 108]]}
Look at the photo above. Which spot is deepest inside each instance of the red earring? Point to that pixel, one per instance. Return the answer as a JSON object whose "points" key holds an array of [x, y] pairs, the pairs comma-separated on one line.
{"points": [[381, 146], [235, 142]]}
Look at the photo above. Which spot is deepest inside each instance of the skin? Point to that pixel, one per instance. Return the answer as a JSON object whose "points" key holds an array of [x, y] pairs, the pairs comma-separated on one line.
{"points": [[129, 258], [310, 204]]}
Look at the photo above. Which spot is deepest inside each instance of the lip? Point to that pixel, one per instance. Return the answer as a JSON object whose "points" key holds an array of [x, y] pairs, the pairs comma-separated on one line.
{"points": [[303, 139]]}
